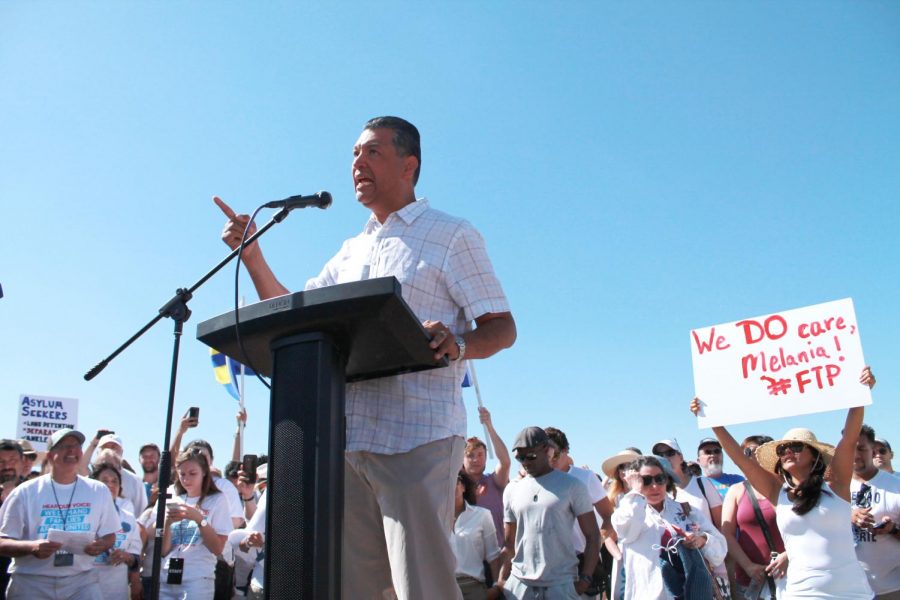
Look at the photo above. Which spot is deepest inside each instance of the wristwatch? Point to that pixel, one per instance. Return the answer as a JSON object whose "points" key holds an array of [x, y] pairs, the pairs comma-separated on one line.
{"points": [[461, 344], [585, 578], [203, 523]]}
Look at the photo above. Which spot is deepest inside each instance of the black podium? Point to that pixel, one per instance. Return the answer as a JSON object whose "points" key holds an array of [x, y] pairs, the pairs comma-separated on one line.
{"points": [[311, 343]]}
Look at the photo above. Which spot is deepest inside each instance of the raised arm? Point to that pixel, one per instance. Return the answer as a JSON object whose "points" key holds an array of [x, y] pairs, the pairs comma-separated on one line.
{"points": [[236, 448], [267, 285], [764, 481], [175, 446], [842, 463], [86, 456], [501, 471]]}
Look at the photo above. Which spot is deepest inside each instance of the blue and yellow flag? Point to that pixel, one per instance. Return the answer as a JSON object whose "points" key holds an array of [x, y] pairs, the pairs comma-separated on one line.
{"points": [[228, 372]]}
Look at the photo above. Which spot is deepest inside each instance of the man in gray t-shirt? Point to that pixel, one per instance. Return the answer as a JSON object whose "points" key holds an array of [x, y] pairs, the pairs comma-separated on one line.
{"points": [[539, 512]]}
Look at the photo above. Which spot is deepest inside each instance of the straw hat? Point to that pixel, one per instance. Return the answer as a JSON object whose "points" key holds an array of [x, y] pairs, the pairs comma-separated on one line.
{"points": [[610, 464], [767, 457]]}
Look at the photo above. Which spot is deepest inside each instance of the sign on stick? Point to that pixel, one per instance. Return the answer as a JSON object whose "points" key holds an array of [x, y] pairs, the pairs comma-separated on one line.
{"points": [[795, 362], [40, 416]]}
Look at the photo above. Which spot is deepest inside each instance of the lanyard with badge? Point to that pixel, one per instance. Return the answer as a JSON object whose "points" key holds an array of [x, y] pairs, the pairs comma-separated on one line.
{"points": [[64, 559], [176, 564]]}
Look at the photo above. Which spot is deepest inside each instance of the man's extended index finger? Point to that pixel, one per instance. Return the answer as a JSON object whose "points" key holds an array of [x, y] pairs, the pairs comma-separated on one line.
{"points": [[225, 208]]}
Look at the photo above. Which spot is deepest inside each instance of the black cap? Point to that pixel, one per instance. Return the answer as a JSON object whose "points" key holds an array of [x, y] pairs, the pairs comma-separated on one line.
{"points": [[530, 437], [707, 441]]}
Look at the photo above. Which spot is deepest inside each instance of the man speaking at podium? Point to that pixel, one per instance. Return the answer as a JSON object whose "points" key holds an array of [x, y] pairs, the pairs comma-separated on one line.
{"points": [[405, 434]]}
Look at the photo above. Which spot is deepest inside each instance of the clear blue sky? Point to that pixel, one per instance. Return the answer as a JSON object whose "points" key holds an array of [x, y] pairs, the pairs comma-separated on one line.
{"points": [[638, 170]]}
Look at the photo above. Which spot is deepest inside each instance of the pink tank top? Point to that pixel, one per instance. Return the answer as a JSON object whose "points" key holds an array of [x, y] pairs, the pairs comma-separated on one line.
{"points": [[750, 535]]}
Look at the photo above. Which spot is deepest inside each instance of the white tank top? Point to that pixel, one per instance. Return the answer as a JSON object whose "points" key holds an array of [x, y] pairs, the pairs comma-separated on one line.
{"points": [[819, 544]]}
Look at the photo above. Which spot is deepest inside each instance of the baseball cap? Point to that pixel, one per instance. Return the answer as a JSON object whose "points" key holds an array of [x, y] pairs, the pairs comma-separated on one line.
{"points": [[706, 441], [27, 448], [530, 437], [110, 438], [884, 443], [59, 434], [670, 443]]}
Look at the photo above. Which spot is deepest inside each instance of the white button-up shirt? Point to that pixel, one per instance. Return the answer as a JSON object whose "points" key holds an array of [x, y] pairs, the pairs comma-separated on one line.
{"points": [[474, 541], [445, 275]]}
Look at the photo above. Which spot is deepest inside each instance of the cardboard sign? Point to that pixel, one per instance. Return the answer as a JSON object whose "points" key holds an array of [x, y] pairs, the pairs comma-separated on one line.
{"points": [[40, 416], [794, 362]]}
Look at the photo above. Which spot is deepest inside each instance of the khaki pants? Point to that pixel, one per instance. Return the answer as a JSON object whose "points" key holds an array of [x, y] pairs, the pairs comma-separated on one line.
{"points": [[398, 515]]}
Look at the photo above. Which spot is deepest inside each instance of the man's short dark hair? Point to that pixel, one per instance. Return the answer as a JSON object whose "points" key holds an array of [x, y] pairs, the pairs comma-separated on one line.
{"points": [[558, 437], [868, 433], [406, 138], [12, 445], [201, 444]]}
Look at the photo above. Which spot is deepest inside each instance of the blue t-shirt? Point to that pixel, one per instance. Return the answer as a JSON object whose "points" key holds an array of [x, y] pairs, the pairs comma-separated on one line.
{"points": [[725, 481]]}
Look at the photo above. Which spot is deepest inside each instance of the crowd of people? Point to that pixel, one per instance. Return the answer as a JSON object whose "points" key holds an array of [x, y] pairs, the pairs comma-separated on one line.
{"points": [[423, 517], [804, 519]]}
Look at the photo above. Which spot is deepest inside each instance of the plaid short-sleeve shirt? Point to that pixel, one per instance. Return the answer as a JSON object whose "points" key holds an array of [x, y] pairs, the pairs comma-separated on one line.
{"points": [[446, 276]]}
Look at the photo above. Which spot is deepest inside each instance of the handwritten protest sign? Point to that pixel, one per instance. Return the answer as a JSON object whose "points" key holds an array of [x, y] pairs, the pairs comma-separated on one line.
{"points": [[794, 362], [40, 416]]}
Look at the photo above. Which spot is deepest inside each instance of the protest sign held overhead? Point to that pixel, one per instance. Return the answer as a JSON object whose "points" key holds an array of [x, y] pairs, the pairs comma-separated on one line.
{"points": [[795, 362], [40, 416]]}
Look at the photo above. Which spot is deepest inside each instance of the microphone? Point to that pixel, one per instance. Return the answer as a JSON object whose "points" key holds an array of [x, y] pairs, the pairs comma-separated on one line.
{"points": [[320, 200]]}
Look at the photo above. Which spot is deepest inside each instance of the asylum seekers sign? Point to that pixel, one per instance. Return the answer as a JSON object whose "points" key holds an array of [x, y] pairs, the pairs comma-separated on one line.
{"points": [[794, 362], [40, 416]]}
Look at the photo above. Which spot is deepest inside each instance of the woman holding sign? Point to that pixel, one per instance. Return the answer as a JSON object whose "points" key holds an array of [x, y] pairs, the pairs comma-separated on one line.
{"points": [[812, 515]]}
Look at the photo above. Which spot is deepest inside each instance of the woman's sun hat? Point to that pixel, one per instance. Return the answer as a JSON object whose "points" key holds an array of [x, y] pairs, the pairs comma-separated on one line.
{"points": [[767, 457], [610, 464]]}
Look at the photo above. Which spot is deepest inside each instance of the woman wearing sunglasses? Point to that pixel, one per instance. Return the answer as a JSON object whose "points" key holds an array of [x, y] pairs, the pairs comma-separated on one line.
{"points": [[812, 515], [663, 541], [614, 468]]}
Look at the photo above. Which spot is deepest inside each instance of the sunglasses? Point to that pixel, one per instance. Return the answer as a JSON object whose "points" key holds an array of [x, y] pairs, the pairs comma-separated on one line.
{"points": [[795, 447], [524, 457], [711, 451], [748, 452], [881, 451], [658, 479], [667, 453]]}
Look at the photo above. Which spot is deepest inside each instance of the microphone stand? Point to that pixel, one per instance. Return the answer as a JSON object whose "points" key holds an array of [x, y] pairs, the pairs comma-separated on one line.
{"points": [[177, 310]]}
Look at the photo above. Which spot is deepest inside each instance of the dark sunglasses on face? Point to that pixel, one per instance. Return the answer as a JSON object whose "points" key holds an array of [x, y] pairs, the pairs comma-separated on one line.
{"points": [[667, 453], [748, 452], [795, 447], [881, 451], [523, 457], [658, 479], [711, 451]]}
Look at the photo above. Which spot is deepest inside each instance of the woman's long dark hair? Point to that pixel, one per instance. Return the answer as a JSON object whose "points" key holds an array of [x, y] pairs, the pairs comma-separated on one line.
{"points": [[470, 493], [806, 495]]}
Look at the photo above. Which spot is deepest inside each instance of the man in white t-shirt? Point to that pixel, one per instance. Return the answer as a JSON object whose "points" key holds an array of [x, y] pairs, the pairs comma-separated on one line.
{"points": [[62, 500], [875, 497], [561, 461]]}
